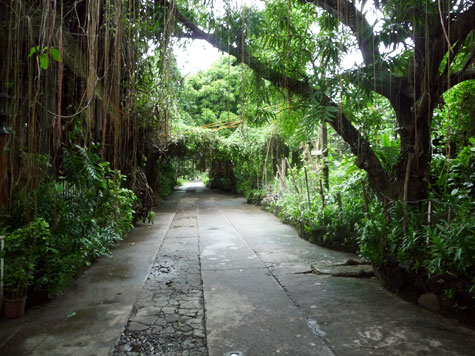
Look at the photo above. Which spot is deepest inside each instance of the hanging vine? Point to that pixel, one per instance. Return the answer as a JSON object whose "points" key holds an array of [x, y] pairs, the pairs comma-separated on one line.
{"points": [[70, 70]]}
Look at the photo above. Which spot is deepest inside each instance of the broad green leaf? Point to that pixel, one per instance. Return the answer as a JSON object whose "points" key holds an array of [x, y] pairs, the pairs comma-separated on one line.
{"points": [[44, 61], [56, 55]]}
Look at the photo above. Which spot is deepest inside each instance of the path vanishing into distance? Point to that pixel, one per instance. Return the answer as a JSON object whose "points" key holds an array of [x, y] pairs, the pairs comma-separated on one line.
{"points": [[216, 276]]}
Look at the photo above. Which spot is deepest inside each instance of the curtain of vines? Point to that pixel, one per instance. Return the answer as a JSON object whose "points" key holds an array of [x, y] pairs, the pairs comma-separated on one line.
{"points": [[68, 66]]}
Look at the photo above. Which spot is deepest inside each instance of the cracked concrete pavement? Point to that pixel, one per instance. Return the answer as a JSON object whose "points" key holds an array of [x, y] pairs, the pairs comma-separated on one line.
{"points": [[168, 316], [215, 276]]}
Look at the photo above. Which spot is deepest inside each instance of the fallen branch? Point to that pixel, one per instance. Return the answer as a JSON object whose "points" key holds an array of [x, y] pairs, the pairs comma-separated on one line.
{"points": [[352, 262], [351, 274]]}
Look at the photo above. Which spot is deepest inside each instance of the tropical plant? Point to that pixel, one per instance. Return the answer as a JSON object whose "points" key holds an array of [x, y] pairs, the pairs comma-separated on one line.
{"points": [[78, 219], [21, 256]]}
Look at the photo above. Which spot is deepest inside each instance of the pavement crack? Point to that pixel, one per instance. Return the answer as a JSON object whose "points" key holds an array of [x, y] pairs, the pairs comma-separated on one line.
{"points": [[201, 279]]}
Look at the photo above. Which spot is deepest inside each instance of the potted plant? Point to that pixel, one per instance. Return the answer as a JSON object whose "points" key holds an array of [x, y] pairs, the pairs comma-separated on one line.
{"points": [[20, 255], [18, 277]]}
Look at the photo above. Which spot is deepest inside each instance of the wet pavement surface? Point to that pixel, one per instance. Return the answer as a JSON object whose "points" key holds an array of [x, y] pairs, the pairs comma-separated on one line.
{"points": [[215, 276]]}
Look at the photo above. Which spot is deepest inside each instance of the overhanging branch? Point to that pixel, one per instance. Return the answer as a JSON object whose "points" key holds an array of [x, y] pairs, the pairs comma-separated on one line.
{"points": [[368, 44], [360, 146], [454, 79], [349, 15], [460, 27]]}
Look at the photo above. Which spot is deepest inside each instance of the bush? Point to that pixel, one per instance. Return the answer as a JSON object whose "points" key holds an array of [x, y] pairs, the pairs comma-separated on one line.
{"points": [[85, 212], [451, 246], [166, 178], [22, 251]]}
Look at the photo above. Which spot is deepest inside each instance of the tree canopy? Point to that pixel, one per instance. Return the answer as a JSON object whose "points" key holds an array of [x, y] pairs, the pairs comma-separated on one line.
{"points": [[412, 52]]}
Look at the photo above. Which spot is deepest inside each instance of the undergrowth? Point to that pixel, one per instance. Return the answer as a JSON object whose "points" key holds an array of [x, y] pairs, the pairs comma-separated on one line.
{"points": [[69, 222]]}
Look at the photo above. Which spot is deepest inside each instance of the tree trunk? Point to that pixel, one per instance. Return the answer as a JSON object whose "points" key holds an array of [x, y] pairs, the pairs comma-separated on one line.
{"points": [[415, 136], [323, 146]]}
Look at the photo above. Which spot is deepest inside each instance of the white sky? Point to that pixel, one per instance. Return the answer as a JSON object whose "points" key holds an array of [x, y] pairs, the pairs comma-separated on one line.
{"points": [[197, 55]]}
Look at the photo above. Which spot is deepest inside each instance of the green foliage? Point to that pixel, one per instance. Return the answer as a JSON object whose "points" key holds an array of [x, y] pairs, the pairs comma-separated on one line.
{"points": [[455, 121], [166, 178], [452, 246], [447, 244], [22, 250], [43, 55], [441, 248], [330, 224], [79, 218], [213, 95]]}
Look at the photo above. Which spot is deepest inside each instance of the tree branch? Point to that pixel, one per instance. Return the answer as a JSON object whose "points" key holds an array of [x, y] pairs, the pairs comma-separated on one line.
{"points": [[360, 146], [387, 85], [455, 78], [348, 14], [460, 27]]}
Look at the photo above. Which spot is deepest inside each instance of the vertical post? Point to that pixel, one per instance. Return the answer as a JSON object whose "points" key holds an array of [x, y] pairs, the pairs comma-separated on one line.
{"points": [[338, 200], [264, 173], [279, 175], [293, 178], [283, 175], [429, 217], [323, 138], [406, 190], [429, 212]]}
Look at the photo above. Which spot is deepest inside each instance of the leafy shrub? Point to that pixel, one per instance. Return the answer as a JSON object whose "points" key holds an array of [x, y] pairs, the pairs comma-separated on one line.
{"points": [[86, 212], [255, 196], [23, 248], [451, 246], [166, 178], [440, 248]]}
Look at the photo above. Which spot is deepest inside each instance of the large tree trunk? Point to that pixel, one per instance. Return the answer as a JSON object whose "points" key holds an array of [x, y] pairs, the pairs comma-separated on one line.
{"points": [[413, 168]]}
